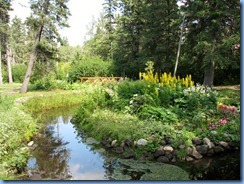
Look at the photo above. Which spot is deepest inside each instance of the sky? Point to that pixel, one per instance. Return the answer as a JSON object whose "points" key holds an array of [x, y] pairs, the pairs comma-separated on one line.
{"points": [[82, 13]]}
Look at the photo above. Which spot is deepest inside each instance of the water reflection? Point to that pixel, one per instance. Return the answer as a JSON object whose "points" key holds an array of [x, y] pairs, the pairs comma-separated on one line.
{"points": [[221, 167], [63, 155]]}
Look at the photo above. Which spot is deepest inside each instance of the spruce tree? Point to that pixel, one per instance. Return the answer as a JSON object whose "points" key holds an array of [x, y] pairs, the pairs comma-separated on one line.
{"points": [[46, 18], [213, 38], [5, 7]]}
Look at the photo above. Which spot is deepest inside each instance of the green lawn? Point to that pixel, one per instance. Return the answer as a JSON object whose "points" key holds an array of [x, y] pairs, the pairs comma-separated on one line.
{"points": [[10, 86]]}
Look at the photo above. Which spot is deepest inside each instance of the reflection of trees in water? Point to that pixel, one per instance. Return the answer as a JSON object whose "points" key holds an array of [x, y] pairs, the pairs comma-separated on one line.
{"points": [[52, 115], [218, 168], [52, 155], [226, 168]]}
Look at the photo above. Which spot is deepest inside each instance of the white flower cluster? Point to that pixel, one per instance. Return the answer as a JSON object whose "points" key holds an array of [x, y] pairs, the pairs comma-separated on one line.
{"points": [[198, 89]]}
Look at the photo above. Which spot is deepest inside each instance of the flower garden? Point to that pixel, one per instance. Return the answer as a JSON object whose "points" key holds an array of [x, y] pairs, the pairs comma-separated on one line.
{"points": [[155, 108]]}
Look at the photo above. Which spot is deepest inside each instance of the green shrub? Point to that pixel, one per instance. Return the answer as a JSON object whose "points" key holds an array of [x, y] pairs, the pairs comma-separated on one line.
{"points": [[62, 70], [18, 72], [127, 89], [197, 97], [89, 67], [162, 114], [47, 82]]}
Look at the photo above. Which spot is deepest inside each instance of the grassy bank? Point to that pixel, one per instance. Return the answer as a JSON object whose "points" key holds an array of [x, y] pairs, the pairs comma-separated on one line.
{"points": [[16, 129], [18, 122]]}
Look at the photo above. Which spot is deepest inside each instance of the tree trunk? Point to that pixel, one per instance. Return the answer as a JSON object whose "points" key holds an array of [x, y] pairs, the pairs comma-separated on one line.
{"points": [[12, 57], [209, 74], [29, 70], [8, 58], [31, 62], [1, 74]]}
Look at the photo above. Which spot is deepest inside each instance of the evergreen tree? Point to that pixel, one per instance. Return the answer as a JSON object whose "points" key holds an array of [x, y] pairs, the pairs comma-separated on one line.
{"points": [[127, 41], [5, 7], [18, 39], [160, 33], [110, 9], [46, 18], [100, 40], [213, 36]]}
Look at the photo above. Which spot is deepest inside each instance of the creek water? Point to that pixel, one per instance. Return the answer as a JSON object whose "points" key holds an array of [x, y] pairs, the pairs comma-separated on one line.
{"points": [[63, 153]]}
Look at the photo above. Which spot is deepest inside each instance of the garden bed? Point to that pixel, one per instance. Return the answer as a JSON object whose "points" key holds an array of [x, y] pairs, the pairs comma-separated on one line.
{"points": [[134, 119]]}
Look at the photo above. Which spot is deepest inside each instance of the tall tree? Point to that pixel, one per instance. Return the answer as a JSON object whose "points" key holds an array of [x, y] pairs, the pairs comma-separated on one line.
{"points": [[8, 59], [127, 41], [5, 7], [46, 18], [18, 40], [100, 39], [213, 40], [110, 9], [160, 33]]}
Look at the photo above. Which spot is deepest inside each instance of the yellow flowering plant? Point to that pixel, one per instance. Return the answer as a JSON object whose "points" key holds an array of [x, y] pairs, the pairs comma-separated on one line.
{"points": [[166, 79]]}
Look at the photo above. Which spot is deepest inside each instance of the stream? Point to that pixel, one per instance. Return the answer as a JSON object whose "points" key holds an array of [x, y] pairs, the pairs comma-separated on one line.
{"points": [[61, 152]]}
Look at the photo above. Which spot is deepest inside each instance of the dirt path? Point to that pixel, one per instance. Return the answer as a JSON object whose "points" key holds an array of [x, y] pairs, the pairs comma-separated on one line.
{"points": [[234, 87]]}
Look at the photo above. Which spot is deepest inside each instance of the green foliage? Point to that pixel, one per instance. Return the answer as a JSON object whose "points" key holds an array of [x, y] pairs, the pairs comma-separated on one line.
{"points": [[229, 97], [162, 114], [199, 97], [45, 83], [68, 54], [89, 67], [16, 129], [19, 43], [211, 37], [18, 161], [127, 89], [18, 73], [5, 103], [62, 70]]}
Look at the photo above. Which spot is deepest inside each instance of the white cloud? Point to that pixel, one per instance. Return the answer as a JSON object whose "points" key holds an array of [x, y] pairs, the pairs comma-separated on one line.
{"points": [[82, 13], [79, 172]]}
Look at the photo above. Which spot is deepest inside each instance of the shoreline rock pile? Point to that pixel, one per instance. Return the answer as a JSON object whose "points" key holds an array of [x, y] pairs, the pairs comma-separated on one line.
{"points": [[166, 152]]}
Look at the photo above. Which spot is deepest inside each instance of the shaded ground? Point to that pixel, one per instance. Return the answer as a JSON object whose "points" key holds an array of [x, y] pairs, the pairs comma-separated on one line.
{"points": [[10, 88], [234, 87]]}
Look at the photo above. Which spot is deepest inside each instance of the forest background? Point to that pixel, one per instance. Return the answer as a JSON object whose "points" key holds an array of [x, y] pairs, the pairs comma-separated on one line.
{"points": [[202, 36]]}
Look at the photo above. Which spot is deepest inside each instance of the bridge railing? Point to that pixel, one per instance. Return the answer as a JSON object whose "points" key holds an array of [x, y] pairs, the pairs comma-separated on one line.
{"points": [[100, 79]]}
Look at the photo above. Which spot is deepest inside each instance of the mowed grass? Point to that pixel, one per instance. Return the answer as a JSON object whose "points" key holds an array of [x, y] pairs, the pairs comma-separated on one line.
{"points": [[10, 86]]}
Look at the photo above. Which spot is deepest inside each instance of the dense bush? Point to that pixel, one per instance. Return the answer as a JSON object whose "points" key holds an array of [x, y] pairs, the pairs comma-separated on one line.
{"points": [[89, 67], [62, 70], [18, 73]]}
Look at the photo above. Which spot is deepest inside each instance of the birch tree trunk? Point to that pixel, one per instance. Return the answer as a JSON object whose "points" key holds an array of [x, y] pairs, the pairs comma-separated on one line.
{"points": [[1, 74], [8, 58]]}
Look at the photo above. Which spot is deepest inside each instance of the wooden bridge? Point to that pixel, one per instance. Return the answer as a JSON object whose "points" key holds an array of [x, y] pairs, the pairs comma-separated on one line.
{"points": [[100, 79]]}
